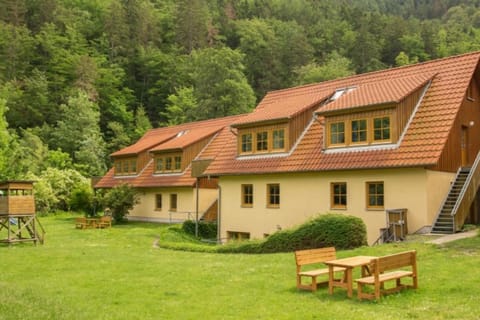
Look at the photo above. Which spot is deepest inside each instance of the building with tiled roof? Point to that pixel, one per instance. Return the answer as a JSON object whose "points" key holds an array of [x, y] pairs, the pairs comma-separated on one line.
{"points": [[362, 145], [397, 148], [160, 165]]}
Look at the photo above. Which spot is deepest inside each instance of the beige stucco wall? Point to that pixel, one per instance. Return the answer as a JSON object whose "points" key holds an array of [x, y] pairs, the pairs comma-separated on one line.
{"points": [[308, 194], [186, 204]]}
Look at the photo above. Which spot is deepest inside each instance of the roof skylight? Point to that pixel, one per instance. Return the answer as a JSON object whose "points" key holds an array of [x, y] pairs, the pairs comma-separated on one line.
{"points": [[340, 92]]}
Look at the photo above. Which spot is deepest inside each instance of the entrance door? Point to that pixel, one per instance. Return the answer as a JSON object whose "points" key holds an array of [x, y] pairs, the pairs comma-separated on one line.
{"points": [[464, 146]]}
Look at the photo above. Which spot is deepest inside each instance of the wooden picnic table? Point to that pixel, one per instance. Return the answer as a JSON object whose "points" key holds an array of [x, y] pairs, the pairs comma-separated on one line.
{"points": [[349, 264]]}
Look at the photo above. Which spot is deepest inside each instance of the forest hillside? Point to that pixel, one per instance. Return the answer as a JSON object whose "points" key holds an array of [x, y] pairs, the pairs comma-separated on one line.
{"points": [[80, 79]]}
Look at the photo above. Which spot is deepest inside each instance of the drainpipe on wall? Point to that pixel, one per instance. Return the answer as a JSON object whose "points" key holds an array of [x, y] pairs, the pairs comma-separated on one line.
{"points": [[219, 239], [196, 209]]}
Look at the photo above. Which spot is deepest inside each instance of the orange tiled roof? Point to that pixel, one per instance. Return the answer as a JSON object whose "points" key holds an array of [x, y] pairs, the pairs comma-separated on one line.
{"points": [[375, 93], [161, 139], [422, 144], [284, 104]]}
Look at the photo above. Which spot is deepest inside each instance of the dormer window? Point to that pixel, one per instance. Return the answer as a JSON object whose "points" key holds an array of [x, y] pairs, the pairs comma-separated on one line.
{"points": [[381, 129], [125, 167], [349, 131], [359, 131], [337, 133], [262, 140], [168, 163], [246, 143]]}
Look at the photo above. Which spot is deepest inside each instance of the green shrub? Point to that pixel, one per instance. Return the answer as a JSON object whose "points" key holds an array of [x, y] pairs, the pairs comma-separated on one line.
{"points": [[206, 230], [120, 200], [327, 230]]}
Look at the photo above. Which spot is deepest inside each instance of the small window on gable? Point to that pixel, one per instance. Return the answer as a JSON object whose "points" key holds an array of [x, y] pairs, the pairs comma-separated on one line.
{"points": [[118, 167], [381, 129], [278, 139], [359, 131], [262, 141], [337, 133], [159, 166], [246, 143], [168, 164], [178, 163]]}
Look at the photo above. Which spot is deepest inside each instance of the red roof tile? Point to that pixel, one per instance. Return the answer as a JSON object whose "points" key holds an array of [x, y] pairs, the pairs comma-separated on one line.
{"points": [[422, 143], [166, 139]]}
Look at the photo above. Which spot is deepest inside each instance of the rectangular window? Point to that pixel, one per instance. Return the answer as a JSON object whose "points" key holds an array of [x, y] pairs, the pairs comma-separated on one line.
{"points": [[375, 195], [337, 133], [173, 202], [247, 195], [133, 166], [246, 142], [168, 164], [359, 131], [381, 129], [338, 191], [273, 195], [158, 202], [238, 236], [118, 167], [178, 163], [278, 139], [262, 141], [159, 165], [125, 166]]}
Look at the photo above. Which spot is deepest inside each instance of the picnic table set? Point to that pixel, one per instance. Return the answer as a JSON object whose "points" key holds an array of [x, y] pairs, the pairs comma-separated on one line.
{"points": [[375, 272]]}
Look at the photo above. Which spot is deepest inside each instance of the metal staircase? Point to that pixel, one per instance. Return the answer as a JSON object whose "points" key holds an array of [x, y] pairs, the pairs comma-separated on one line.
{"points": [[445, 220], [462, 194]]}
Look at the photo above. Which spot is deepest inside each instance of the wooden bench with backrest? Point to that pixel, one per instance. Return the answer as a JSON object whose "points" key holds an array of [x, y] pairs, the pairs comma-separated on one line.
{"points": [[105, 222], [81, 223], [389, 268], [312, 257]]}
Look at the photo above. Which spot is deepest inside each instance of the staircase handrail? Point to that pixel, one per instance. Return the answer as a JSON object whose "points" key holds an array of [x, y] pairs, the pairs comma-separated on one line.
{"points": [[474, 171], [452, 185]]}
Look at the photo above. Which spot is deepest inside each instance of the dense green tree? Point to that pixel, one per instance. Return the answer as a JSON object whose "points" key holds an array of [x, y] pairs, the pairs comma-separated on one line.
{"points": [[16, 51], [336, 66], [181, 107], [191, 24], [220, 86], [78, 134], [4, 139]]}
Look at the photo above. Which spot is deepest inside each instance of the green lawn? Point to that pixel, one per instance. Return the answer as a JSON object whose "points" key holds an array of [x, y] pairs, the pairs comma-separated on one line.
{"points": [[118, 273]]}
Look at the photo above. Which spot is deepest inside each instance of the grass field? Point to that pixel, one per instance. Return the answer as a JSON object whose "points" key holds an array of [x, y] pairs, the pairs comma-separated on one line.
{"points": [[119, 273]]}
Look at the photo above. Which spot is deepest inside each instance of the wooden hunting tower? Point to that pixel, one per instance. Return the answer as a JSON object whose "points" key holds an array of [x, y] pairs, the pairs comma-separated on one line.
{"points": [[18, 222]]}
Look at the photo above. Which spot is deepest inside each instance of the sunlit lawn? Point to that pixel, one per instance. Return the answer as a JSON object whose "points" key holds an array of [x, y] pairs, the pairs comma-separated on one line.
{"points": [[119, 273]]}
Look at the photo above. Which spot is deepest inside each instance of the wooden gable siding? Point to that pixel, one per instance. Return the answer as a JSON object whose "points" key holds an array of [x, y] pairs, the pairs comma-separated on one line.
{"points": [[298, 124], [142, 160], [405, 109], [451, 157], [191, 151]]}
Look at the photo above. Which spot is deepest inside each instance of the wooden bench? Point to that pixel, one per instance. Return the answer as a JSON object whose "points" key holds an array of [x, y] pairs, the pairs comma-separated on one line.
{"points": [[81, 223], [105, 222], [314, 257], [385, 269]]}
